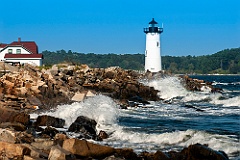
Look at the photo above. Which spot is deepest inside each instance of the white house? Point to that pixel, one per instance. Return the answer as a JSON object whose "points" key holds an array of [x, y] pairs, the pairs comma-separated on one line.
{"points": [[22, 52]]}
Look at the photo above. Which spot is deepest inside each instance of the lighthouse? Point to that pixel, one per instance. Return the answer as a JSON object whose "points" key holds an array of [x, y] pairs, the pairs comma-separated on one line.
{"points": [[153, 61]]}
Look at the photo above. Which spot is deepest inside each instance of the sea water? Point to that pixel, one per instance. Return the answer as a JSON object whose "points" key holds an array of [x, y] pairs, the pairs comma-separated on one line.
{"points": [[181, 119]]}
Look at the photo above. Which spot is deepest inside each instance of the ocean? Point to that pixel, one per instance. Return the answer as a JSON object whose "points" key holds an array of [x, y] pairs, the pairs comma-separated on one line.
{"points": [[181, 119]]}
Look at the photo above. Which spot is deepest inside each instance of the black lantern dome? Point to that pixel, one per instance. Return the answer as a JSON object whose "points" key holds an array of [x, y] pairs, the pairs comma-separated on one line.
{"points": [[153, 27]]}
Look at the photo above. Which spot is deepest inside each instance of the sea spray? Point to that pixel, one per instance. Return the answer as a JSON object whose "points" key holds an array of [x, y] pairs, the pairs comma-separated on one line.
{"points": [[170, 140], [100, 108], [169, 87], [234, 101]]}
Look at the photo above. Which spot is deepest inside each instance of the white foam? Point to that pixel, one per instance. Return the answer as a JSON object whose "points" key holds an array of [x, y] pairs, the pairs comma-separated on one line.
{"points": [[235, 101], [105, 111], [100, 108], [169, 87], [165, 140]]}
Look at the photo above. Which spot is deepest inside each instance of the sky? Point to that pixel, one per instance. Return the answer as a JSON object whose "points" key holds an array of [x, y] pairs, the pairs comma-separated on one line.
{"points": [[191, 27]]}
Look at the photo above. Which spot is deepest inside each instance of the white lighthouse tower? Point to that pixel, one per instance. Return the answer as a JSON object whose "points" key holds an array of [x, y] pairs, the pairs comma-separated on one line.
{"points": [[153, 61]]}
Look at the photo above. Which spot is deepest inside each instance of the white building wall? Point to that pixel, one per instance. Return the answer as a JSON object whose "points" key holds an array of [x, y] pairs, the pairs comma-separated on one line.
{"points": [[2, 56], [14, 51], [152, 54], [37, 61]]}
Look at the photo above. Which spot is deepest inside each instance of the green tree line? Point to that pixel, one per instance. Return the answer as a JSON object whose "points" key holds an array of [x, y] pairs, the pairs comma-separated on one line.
{"points": [[225, 62]]}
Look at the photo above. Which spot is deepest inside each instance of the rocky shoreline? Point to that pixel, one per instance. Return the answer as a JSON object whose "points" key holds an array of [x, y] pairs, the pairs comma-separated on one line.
{"points": [[29, 88]]}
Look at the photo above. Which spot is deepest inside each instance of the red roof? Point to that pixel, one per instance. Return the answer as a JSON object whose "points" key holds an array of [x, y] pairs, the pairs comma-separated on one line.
{"points": [[23, 56], [29, 45], [2, 45]]}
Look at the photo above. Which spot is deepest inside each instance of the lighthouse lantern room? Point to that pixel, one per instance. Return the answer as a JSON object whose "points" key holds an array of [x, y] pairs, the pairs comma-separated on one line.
{"points": [[152, 54]]}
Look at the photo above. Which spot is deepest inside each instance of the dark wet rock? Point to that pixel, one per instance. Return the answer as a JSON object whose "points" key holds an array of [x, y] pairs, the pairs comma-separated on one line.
{"points": [[84, 125], [197, 84], [138, 99], [102, 135], [176, 155], [192, 107], [132, 104], [146, 155], [46, 120], [216, 90], [199, 110], [159, 155], [49, 131], [201, 152], [127, 153], [123, 106]]}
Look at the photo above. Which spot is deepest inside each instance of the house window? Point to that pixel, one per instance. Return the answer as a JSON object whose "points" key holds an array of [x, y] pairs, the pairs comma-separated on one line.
{"points": [[10, 51], [18, 51]]}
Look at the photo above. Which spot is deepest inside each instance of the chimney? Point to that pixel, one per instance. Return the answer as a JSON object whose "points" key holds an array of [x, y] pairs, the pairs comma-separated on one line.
{"points": [[19, 39]]}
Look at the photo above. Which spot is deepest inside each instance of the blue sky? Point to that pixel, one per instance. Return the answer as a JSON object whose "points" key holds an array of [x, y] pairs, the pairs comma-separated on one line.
{"points": [[191, 27]]}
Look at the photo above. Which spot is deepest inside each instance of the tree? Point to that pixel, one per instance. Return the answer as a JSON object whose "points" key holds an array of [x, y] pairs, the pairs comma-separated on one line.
{"points": [[190, 68], [225, 61], [173, 67]]}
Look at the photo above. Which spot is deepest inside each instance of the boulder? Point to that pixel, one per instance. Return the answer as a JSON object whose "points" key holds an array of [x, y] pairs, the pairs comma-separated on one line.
{"points": [[138, 99], [51, 94], [176, 155], [43, 144], [7, 135], [201, 152], [146, 155], [24, 137], [78, 96], [84, 125], [10, 115], [46, 120], [54, 70], [90, 94], [15, 125], [83, 149], [126, 153], [109, 74], [13, 151], [59, 138], [34, 152], [12, 136], [58, 153], [113, 157], [34, 101], [102, 135], [49, 132], [25, 157], [159, 155]]}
